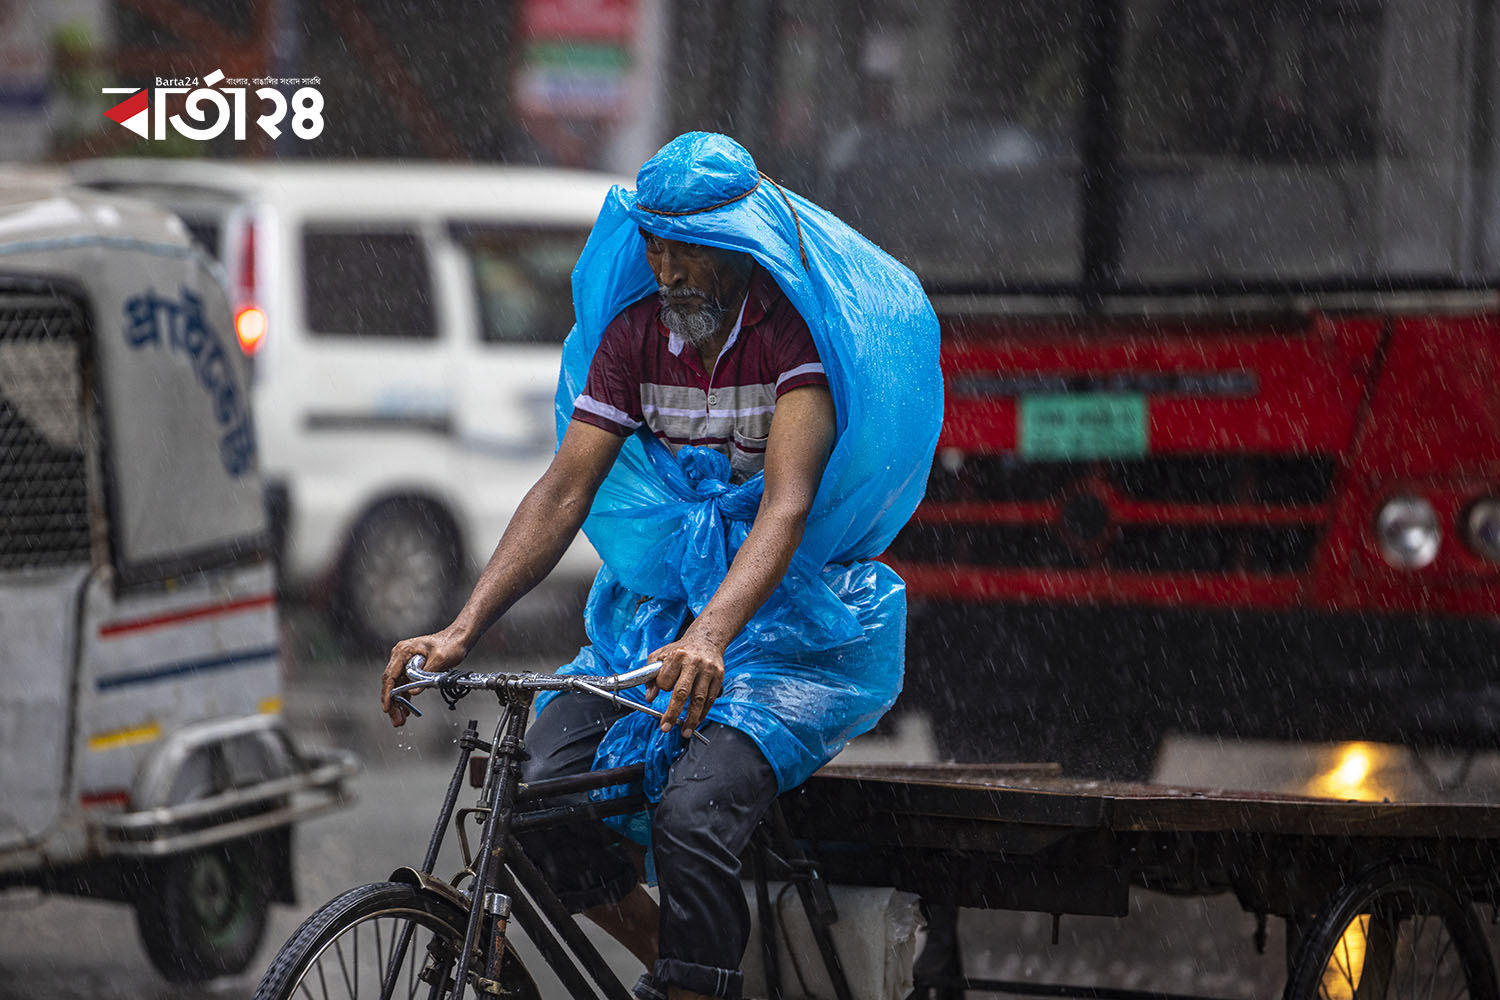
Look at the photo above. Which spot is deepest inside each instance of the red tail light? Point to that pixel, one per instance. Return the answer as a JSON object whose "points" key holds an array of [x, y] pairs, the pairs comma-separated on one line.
{"points": [[250, 328], [249, 318]]}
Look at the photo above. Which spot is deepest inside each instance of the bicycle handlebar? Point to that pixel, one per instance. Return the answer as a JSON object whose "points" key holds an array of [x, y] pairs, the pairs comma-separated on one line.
{"points": [[504, 681], [454, 684]]}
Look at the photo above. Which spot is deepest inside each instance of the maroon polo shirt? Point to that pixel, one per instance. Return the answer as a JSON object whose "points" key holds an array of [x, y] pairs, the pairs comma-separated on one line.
{"points": [[644, 374]]}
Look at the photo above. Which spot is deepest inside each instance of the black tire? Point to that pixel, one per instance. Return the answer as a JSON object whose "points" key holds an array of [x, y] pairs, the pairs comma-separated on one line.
{"points": [[203, 914], [399, 576], [1395, 931], [324, 953]]}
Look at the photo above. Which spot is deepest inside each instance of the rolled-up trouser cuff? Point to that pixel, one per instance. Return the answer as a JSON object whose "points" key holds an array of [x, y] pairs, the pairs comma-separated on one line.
{"points": [[705, 979]]}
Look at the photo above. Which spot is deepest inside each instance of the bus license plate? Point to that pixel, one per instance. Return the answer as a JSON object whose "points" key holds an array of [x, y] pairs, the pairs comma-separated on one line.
{"points": [[1082, 426]]}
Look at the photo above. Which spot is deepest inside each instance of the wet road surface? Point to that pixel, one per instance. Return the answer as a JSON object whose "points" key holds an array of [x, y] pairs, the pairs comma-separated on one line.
{"points": [[53, 948]]}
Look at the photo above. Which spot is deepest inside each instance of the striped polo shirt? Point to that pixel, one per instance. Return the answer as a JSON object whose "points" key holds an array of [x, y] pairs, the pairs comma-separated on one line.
{"points": [[644, 374]]}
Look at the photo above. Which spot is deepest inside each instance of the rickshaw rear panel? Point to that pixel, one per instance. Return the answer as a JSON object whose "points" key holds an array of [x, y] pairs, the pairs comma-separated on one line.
{"points": [[141, 740]]}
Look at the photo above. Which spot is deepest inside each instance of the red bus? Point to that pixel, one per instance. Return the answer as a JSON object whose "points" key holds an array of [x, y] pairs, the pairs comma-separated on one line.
{"points": [[1220, 288]]}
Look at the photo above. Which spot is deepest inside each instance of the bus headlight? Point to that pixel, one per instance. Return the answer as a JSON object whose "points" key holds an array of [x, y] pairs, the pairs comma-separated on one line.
{"points": [[1408, 533], [1483, 527]]}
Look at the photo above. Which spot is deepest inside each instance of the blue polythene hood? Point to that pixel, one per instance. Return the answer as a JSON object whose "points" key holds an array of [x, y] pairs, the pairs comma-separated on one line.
{"points": [[667, 526]]}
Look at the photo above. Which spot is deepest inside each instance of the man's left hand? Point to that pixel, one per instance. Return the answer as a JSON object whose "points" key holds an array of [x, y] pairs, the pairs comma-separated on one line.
{"points": [[693, 670]]}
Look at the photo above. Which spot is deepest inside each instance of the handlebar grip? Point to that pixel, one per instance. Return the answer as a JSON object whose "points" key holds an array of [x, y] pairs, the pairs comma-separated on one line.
{"points": [[415, 672]]}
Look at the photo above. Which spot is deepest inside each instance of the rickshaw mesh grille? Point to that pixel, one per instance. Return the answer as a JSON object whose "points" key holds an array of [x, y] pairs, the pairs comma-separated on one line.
{"points": [[43, 487]]}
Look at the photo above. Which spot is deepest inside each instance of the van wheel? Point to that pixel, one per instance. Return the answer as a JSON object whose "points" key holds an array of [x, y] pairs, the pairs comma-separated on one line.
{"points": [[399, 575], [202, 914]]}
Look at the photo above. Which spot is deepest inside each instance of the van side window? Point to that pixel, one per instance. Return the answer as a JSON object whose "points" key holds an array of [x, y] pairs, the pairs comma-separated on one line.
{"points": [[44, 517], [366, 283], [522, 280], [205, 233]]}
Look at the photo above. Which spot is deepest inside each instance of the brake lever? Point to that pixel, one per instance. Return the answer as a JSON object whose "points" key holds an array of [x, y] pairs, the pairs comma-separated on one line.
{"points": [[404, 703], [614, 696], [414, 685]]}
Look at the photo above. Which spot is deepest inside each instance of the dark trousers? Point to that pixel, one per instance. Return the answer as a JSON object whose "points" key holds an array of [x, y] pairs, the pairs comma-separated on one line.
{"points": [[714, 798]]}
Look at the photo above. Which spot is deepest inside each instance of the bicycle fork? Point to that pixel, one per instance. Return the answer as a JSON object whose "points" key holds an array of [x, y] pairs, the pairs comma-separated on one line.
{"points": [[489, 910], [499, 796], [434, 970]]}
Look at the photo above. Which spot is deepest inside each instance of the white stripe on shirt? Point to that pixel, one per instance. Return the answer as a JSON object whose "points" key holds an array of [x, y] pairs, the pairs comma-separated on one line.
{"points": [[812, 368], [588, 404], [672, 411]]}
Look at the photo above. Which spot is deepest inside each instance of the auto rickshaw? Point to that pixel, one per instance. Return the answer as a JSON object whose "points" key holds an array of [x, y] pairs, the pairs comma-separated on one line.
{"points": [[143, 755]]}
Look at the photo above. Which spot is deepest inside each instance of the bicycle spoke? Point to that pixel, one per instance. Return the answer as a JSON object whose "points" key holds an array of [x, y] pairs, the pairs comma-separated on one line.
{"points": [[1413, 965], [344, 966], [1340, 964], [380, 957], [1437, 964], [323, 981], [1347, 963]]}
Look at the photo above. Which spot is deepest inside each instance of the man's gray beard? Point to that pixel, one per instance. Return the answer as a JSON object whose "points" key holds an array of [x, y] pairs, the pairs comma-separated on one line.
{"points": [[696, 325]]}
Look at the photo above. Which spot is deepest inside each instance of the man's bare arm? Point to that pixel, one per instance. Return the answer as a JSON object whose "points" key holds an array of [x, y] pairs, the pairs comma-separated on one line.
{"points": [[802, 432], [543, 526]]}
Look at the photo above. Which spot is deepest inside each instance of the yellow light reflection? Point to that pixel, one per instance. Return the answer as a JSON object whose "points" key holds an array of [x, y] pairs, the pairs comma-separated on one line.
{"points": [[1347, 963], [1355, 772], [1353, 768]]}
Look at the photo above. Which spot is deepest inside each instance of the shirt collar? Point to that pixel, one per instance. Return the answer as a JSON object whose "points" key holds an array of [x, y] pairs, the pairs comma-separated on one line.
{"points": [[758, 298]]}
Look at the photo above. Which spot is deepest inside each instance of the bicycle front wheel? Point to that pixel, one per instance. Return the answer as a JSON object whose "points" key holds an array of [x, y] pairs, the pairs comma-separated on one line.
{"points": [[352, 947]]}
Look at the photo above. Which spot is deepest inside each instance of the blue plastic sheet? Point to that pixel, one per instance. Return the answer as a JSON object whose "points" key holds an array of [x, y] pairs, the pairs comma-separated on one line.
{"points": [[822, 660]]}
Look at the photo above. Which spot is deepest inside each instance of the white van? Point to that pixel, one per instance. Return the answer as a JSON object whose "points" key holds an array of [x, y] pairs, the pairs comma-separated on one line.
{"points": [[406, 325], [143, 756]]}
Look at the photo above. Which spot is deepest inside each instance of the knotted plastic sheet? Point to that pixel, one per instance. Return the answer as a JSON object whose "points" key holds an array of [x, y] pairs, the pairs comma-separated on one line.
{"points": [[822, 660]]}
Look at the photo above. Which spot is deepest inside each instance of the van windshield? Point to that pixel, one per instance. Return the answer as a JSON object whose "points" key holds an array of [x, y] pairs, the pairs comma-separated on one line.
{"points": [[522, 281]]}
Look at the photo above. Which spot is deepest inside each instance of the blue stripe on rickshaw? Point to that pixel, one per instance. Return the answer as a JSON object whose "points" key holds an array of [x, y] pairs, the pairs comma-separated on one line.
{"points": [[187, 667]]}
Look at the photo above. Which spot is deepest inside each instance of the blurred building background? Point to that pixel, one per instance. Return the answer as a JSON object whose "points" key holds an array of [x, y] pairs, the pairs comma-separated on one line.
{"points": [[563, 82], [1035, 143]]}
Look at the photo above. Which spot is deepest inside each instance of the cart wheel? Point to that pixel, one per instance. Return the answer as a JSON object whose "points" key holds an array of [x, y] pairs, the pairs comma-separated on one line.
{"points": [[202, 914], [1395, 931]]}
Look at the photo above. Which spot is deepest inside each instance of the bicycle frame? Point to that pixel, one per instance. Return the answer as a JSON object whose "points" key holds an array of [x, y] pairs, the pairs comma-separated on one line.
{"points": [[503, 880], [501, 877]]}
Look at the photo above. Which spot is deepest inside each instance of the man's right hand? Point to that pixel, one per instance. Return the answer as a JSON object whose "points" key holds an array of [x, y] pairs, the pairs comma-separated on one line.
{"points": [[443, 651]]}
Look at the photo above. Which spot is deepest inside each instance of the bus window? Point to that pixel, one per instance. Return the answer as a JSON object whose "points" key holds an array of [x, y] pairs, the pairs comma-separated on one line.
{"points": [[1294, 140], [946, 131]]}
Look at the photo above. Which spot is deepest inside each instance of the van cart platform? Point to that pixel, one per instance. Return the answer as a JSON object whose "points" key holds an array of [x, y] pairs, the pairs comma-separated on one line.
{"points": [[1399, 877]]}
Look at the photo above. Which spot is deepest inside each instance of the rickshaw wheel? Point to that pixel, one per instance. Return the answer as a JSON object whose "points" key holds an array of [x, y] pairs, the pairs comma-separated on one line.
{"points": [[1395, 931], [399, 575], [203, 913]]}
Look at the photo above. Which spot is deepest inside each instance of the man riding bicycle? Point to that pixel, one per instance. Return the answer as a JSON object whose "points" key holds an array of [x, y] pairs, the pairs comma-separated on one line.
{"points": [[748, 406]]}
